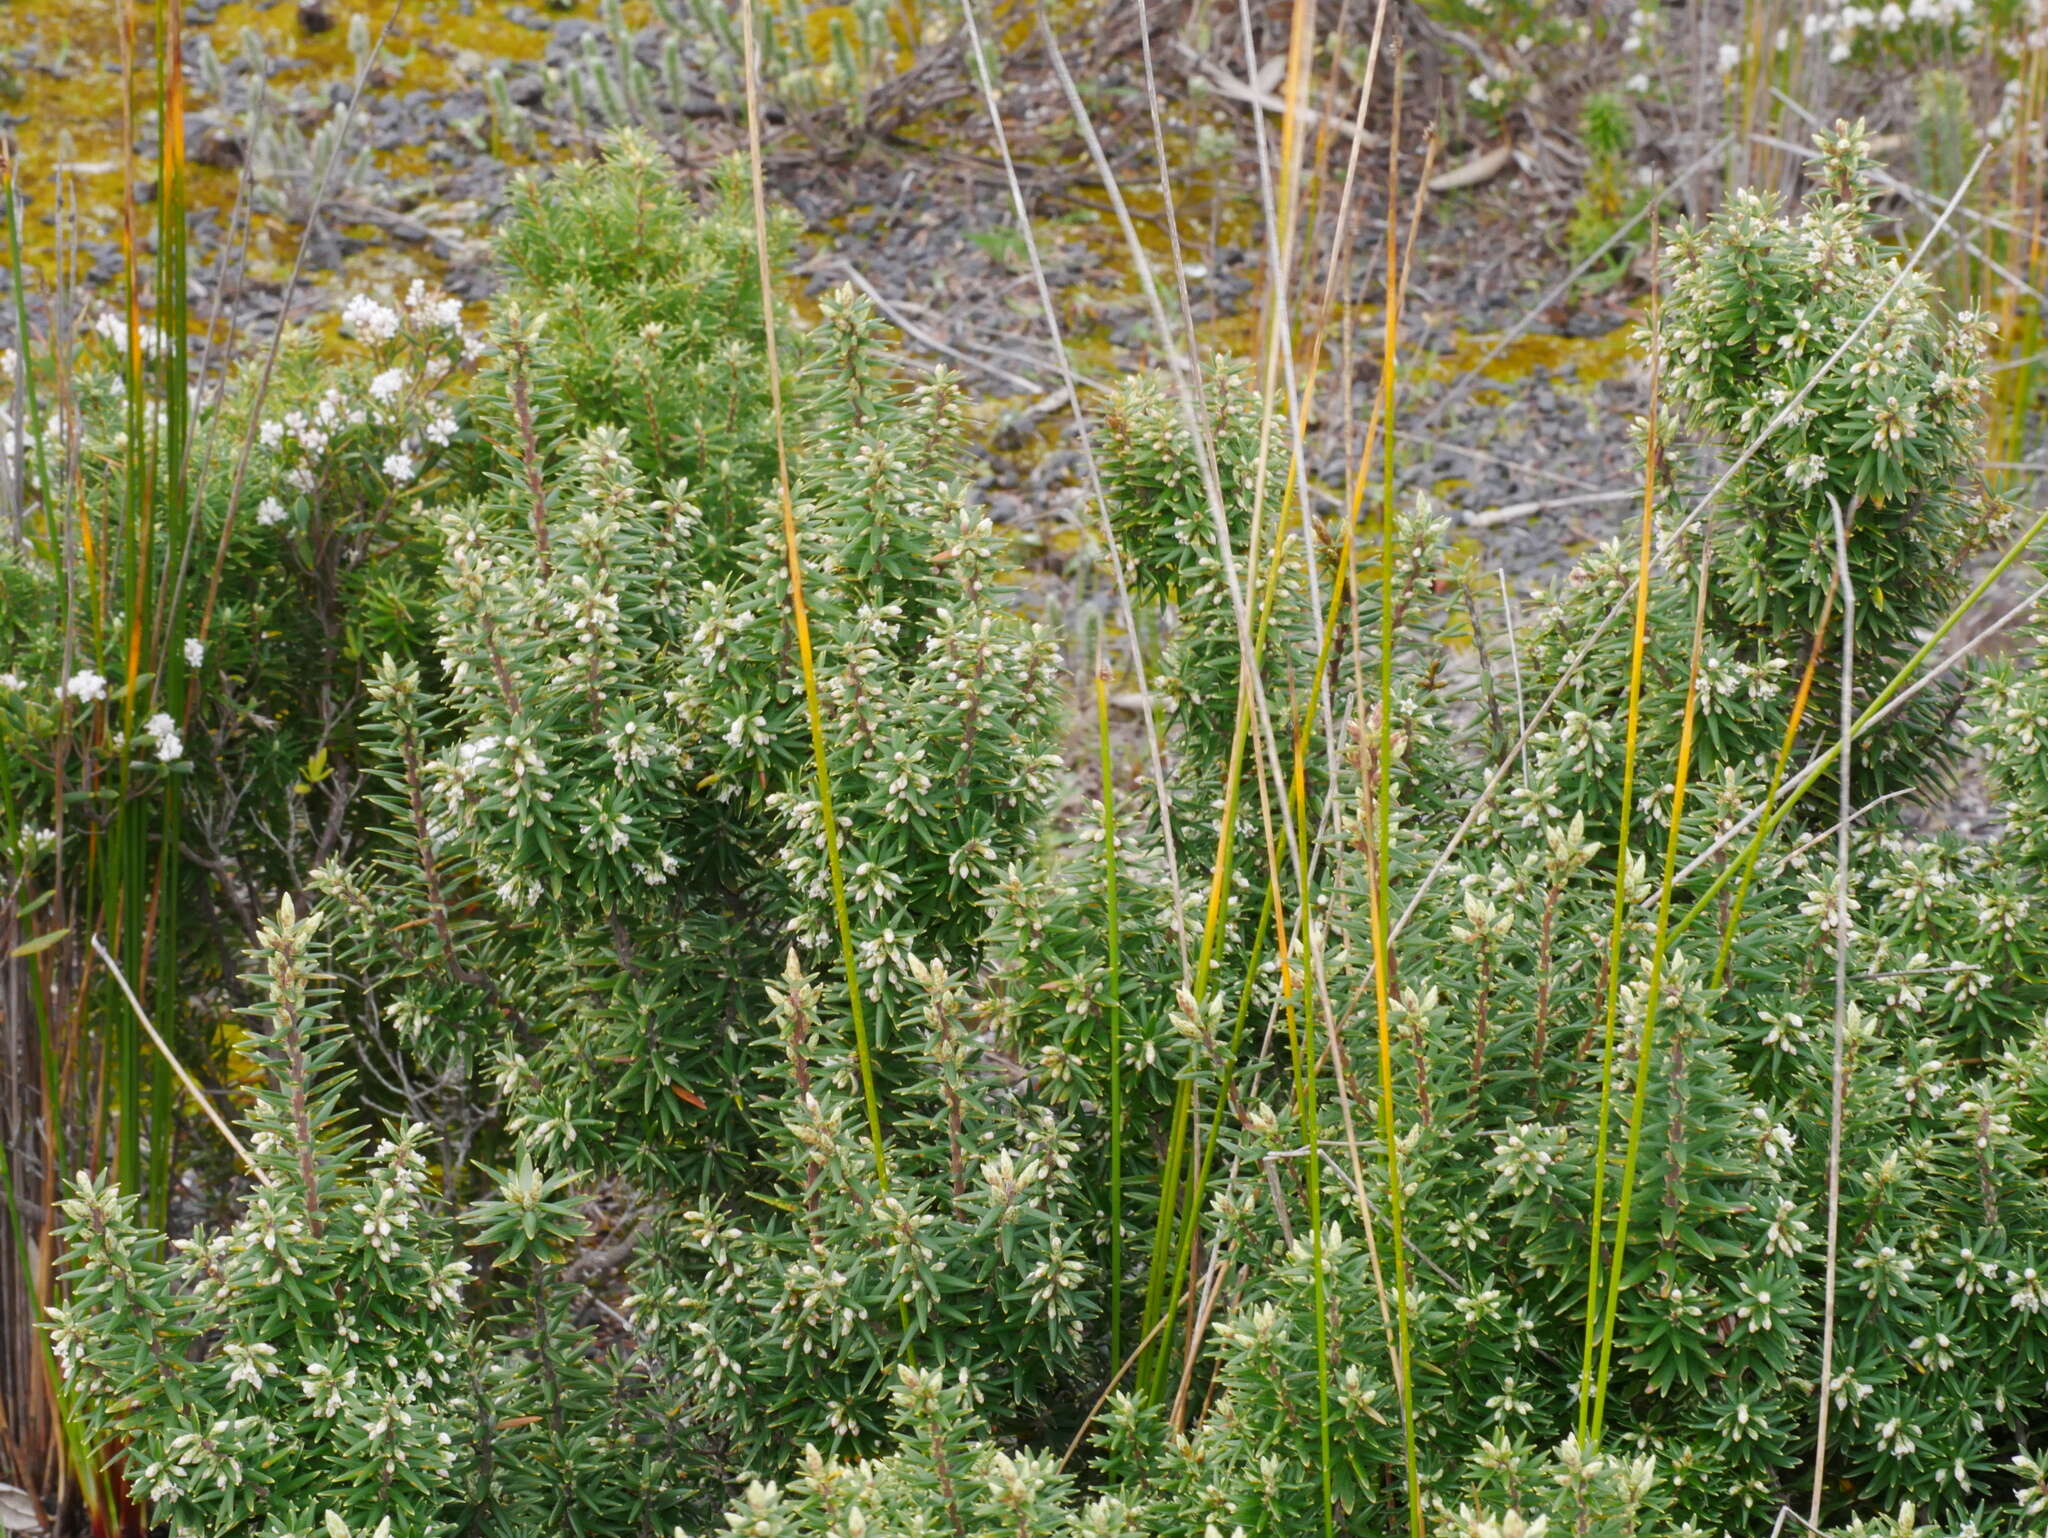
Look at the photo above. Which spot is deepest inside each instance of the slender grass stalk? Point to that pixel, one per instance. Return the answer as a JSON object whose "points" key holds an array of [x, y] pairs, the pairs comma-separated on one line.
{"points": [[1253, 710], [105, 1096], [1112, 918], [32, 416], [1301, 1034], [1507, 609], [161, 925], [1190, 1210], [42, 1428], [1846, 810], [1070, 385], [1178, 1120], [1300, 1039], [1617, 923], [1189, 397], [1297, 790], [1224, 1093], [1361, 755], [1150, 1367], [1654, 998], [1383, 844], [185, 1078], [126, 851], [2020, 326], [1280, 226], [799, 614], [1297, 782]]}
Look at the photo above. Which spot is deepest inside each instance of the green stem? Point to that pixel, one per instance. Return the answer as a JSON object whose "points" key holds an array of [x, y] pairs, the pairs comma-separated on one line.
{"points": [[1651, 1003], [1200, 1184], [1618, 912]]}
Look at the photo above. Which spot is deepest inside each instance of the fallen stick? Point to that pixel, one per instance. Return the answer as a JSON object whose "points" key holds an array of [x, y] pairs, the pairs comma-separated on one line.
{"points": [[1513, 510]]}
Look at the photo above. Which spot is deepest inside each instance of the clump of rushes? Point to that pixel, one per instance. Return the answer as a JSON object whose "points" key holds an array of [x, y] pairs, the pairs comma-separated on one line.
{"points": [[597, 906], [827, 68]]}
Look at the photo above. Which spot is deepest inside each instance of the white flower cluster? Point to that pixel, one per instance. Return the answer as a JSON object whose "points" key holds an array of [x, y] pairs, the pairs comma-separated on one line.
{"points": [[1725, 678], [32, 843], [85, 686], [170, 746], [424, 310], [370, 319], [1493, 87], [1849, 28], [302, 439], [1639, 45], [113, 329], [429, 310]]}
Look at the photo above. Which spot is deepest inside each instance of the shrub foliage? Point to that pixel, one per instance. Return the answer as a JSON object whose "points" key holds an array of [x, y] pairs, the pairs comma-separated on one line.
{"points": [[665, 1227]]}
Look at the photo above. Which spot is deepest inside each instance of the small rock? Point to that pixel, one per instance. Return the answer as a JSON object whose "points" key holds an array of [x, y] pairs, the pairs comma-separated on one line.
{"points": [[214, 145]]}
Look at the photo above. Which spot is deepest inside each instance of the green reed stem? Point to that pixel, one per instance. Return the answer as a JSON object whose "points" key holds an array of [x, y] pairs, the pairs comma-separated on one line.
{"points": [[1184, 1250], [1658, 955], [160, 926], [33, 418], [1618, 913], [1301, 1036]]}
